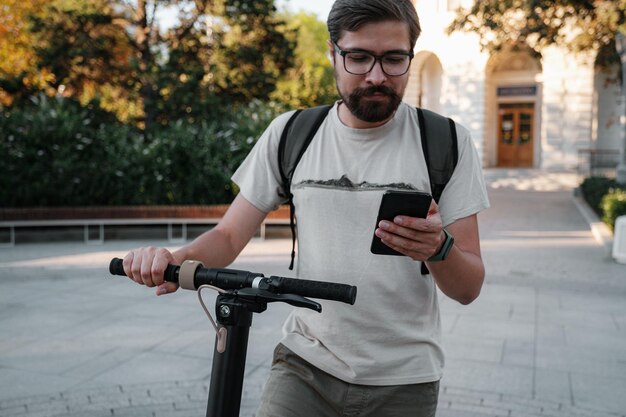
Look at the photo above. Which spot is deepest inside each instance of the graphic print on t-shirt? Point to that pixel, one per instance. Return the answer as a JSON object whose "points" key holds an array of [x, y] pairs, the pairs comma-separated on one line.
{"points": [[344, 183]]}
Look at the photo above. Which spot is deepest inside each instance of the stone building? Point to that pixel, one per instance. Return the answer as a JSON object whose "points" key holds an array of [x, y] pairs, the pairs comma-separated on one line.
{"points": [[523, 111]]}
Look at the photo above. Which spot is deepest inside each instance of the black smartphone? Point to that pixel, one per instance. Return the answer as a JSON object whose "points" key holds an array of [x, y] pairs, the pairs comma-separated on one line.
{"points": [[396, 203]]}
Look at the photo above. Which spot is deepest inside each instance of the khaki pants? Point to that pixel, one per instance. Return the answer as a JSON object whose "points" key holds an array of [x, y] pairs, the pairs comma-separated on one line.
{"points": [[297, 389]]}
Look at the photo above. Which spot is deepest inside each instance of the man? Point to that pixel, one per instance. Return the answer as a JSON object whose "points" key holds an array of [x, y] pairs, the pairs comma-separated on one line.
{"points": [[382, 356]]}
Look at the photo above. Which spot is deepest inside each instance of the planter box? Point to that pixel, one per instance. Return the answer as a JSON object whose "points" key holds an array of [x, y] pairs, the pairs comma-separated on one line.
{"points": [[126, 212], [57, 223]]}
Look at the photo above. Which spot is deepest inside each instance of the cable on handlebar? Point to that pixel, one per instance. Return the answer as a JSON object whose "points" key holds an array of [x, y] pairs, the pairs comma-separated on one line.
{"points": [[221, 331]]}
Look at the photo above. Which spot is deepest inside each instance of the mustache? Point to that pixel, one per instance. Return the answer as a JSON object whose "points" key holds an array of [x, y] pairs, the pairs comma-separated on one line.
{"points": [[375, 89]]}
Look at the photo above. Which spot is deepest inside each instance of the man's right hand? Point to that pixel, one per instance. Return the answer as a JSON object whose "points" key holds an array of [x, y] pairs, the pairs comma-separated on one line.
{"points": [[146, 266], [216, 248]]}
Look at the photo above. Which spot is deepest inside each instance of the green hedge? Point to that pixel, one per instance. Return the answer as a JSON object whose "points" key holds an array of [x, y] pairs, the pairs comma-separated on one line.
{"points": [[56, 152], [613, 205], [595, 188], [606, 197]]}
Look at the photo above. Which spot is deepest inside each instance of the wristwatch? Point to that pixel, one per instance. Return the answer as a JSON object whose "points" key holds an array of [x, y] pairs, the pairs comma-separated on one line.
{"points": [[445, 248]]}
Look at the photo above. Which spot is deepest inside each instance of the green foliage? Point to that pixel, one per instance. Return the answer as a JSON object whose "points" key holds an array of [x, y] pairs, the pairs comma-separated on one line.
{"points": [[185, 92], [254, 48], [192, 163], [311, 81], [220, 53], [77, 43], [77, 46], [188, 98], [613, 206], [595, 188], [56, 152], [53, 153]]}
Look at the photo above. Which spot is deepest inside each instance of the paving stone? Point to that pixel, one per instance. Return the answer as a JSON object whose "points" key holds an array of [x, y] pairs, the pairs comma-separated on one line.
{"points": [[599, 393], [554, 386], [479, 349], [518, 353], [544, 339]]}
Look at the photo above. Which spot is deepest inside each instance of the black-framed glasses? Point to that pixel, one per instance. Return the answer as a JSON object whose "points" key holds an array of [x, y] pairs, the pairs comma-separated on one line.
{"points": [[361, 62]]}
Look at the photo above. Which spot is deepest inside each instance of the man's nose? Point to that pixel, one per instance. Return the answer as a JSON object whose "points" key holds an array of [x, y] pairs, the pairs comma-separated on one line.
{"points": [[376, 74]]}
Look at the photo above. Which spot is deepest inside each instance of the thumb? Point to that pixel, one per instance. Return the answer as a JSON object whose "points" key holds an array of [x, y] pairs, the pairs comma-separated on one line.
{"points": [[433, 209], [166, 288]]}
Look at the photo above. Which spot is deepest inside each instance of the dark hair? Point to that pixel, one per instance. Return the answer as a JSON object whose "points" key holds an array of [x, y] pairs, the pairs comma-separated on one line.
{"points": [[351, 14]]}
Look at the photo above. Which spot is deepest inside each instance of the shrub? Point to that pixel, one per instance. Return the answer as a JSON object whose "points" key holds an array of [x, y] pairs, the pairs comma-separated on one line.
{"points": [[192, 163], [613, 206], [595, 188], [56, 152]]}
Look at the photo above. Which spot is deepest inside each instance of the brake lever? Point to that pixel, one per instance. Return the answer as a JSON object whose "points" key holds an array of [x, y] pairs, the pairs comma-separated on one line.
{"points": [[263, 296]]}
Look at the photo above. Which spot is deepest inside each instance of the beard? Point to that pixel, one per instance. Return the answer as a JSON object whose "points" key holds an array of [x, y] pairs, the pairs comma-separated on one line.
{"points": [[372, 111]]}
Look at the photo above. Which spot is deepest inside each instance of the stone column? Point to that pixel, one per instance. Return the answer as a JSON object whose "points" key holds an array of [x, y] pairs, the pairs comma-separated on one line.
{"points": [[620, 42]]}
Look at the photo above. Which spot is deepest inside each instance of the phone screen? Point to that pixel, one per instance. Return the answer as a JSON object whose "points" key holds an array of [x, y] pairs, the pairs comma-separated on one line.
{"points": [[396, 203]]}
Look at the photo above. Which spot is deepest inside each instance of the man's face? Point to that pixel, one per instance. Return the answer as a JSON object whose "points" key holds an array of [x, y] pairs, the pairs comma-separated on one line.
{"points": [[371, 98]]}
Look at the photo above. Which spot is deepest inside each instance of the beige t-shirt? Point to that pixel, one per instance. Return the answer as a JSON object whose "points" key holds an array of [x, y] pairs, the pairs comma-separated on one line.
{"points": [[392, 334]]}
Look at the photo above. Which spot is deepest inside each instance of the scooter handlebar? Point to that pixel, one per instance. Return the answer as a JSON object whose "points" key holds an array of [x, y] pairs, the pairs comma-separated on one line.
{"points": [[229, 279]]}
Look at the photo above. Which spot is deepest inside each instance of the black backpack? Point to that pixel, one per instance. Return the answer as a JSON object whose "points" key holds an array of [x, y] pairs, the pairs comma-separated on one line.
{"points": [[439, 143]]}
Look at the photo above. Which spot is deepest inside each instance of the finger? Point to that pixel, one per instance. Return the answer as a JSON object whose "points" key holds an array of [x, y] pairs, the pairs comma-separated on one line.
{"points": [[399, 243], [162, 258], [146, 267], [135, 267], [393, 244], [414, 244], [415, 223], [432, 224], [395, 229], [127, 263], [167, 288], [434, 208]]}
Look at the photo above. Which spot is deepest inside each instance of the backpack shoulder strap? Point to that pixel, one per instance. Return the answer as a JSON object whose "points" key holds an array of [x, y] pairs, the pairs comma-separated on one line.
{"points": [[295, 139], [439, 142]]}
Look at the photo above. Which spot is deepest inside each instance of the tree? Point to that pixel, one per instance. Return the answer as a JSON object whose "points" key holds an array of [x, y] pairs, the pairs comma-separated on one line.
{"points": [[18, 64], [230, 58], [219, 52], [77, 43], [578, 25], [148, 43], [311, 81], [70, 48], [255, 48]]}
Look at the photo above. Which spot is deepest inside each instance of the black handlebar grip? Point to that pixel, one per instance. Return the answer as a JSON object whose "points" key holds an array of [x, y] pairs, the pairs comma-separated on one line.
{"points": [[314, 289], [116, 268], [170, 274]]}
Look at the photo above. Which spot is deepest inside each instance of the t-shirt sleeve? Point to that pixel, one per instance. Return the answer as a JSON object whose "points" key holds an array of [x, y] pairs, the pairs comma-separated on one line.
{"points": [[466, 192], [258, 177]]}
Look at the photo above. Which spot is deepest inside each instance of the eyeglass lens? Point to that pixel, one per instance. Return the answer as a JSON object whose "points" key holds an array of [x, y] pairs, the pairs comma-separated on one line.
{"points": [[360, 63]]}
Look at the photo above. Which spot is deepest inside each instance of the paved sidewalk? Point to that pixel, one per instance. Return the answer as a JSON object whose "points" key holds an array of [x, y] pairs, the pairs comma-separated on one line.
{"points": [[547, 336]]}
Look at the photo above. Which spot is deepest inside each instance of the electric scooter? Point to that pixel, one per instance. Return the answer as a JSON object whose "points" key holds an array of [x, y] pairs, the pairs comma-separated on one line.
{"points": [[241, 293]]}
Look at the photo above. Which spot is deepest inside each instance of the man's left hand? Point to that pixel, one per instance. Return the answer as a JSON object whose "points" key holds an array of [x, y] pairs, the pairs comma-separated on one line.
{"points": [[416, 238]]}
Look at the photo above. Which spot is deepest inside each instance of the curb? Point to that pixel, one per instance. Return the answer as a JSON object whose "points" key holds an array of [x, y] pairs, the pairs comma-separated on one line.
{"points": [[600, 231]]}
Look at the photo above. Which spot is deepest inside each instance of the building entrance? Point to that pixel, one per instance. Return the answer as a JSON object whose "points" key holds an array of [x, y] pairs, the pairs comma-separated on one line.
{"points": [[515, 134]]}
